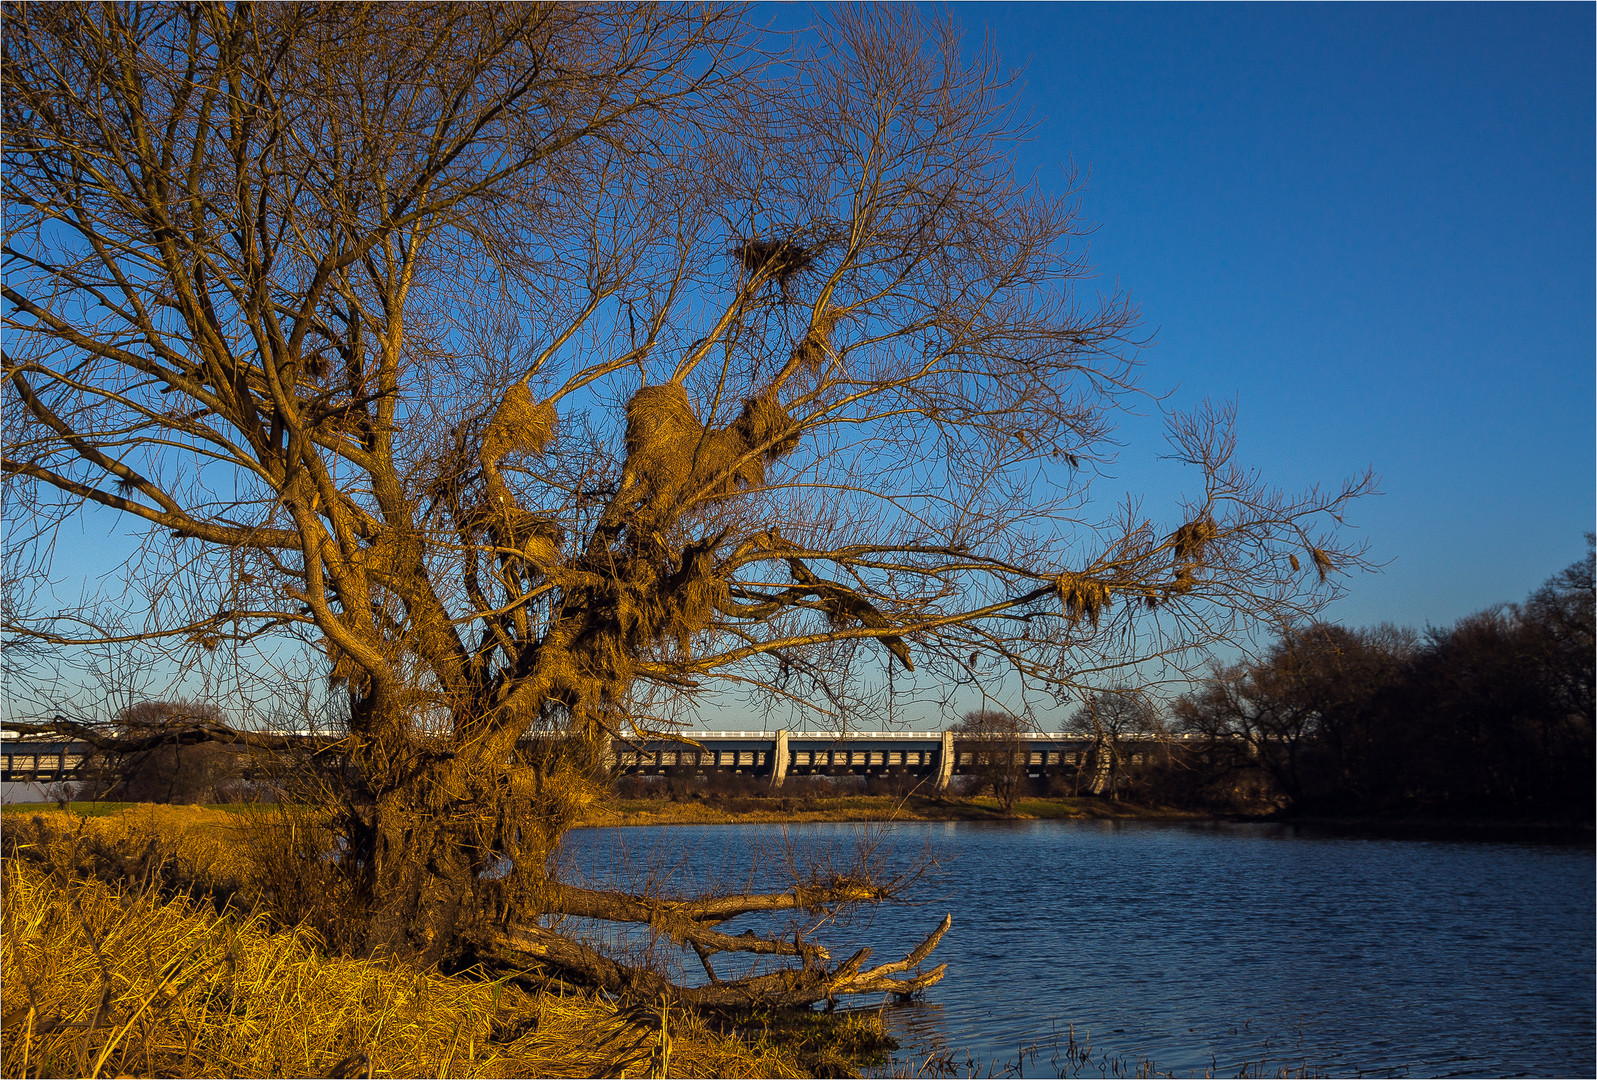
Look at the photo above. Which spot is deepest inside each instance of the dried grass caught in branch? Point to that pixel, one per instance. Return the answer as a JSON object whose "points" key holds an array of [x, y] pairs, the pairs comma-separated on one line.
{"points": [[669, 449], [1082, 596], [816, 345], [691, 605], [1191, 539], [537, 536], [519, 426], [662, 434], [775, 260], [845, 607], [766, 427], [725, 461]]}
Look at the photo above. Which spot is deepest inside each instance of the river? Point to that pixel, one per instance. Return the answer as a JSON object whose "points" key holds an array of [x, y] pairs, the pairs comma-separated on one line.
{"points": [[1198, 947]]}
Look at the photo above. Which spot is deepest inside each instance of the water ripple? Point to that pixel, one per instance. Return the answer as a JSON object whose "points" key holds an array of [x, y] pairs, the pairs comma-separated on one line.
{"points": [[1215, 946]]}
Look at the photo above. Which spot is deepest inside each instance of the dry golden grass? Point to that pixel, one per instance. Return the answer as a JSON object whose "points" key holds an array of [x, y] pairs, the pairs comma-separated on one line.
{"points": [[1082, 596], [205, 843], [519, 425], [106, 979]]}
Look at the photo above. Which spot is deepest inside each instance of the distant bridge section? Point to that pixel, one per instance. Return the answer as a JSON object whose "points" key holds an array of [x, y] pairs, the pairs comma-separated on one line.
{"points": [[935, 755], [42, 761]]}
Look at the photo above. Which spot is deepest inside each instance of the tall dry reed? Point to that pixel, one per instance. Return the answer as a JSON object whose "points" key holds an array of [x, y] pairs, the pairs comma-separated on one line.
{"points": [[110, 979]]}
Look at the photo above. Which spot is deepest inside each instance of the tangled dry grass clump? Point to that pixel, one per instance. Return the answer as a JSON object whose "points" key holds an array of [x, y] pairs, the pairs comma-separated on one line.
{"points": [[1190, 541], [1082, 596], [107, 978], [520, 425], [775, 260], [673, 454], [816, 345]]}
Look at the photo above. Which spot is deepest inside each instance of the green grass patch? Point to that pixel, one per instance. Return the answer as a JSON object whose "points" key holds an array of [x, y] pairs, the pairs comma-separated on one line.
{"points": [[776, 808]]}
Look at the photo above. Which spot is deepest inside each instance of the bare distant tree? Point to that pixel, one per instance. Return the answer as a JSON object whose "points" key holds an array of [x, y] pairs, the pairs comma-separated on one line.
{"points": [[1311, 698], [1116, 719], [546, 367], [998, 754], [165, 766]]}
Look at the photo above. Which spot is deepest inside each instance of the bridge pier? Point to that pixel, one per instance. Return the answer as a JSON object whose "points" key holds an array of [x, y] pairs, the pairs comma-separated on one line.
{"points": [[945, 762], [779, 758]]}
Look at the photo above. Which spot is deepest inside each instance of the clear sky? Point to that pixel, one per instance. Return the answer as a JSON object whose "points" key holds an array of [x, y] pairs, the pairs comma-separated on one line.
{"points": [[1372, 226]]}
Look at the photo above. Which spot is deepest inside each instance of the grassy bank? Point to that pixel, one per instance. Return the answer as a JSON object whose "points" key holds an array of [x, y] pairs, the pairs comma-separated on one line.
{"points": [[744, 809], [732, 810], [108, 975], [138, 940]]}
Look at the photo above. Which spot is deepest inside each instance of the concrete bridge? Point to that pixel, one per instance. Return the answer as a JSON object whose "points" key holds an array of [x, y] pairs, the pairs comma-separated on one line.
{"points": [[935, 755], [41, 761]]}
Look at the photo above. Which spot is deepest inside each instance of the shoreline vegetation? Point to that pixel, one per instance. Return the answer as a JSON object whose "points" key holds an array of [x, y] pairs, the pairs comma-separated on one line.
{"points": [[740, 810], [138, 941], [776, 809], [780, 810]]}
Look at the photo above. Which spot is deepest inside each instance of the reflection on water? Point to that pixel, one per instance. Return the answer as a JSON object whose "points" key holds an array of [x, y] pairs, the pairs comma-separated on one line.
{"points": [[1201, 947]]}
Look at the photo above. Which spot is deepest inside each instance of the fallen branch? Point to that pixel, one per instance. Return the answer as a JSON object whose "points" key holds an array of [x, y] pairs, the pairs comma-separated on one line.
{"points": [[787, 988], [683, 922]]}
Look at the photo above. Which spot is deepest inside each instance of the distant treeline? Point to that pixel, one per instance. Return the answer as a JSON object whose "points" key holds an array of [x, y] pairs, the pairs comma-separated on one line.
{"points": [[1489, 718]]}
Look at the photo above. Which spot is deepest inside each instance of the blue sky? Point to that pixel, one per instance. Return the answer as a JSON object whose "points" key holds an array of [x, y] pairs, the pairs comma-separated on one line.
{"points": [[1371, 226]]}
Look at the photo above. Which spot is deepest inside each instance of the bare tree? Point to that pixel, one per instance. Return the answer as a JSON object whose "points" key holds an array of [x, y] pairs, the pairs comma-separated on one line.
{"points": [[1116, 719], [172, 771], [998, 754], [547, 367], [1307, 712]]}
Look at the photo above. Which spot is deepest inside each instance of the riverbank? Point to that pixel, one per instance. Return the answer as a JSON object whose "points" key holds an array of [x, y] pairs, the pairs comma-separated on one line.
{"points": [[117, 964], [760, 810], [777, 810], [774, 810]]}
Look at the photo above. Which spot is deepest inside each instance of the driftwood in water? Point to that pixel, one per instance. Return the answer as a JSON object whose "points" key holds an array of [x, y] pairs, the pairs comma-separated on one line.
{"points": [[692, 925]]}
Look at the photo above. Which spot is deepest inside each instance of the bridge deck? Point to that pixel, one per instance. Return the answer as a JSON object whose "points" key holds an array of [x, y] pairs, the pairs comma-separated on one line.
{"points": [[776, 754]]}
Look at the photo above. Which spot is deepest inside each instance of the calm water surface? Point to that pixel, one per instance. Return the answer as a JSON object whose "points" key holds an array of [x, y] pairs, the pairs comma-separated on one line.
{"points": [[1202, 947]]}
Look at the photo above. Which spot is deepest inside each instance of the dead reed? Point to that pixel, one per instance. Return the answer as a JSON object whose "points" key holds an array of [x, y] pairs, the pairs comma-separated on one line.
{"points": [[108, 978], [520, 425], [675, 455]]}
